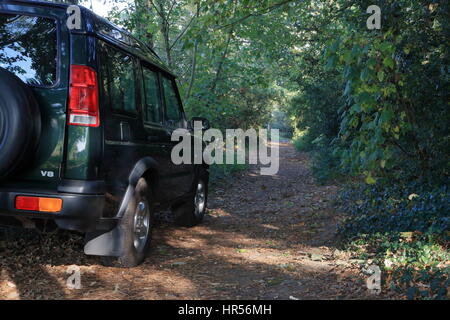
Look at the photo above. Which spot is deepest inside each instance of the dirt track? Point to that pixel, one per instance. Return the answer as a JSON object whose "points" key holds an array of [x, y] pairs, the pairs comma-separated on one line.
{"points": [[266, 237]]}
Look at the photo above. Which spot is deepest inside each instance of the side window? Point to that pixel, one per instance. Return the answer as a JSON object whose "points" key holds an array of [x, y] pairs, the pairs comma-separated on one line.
{"points": [[173, 108], [152, 107], [122, 81]]}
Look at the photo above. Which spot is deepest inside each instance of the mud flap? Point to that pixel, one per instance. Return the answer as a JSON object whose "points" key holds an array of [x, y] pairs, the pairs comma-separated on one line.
{"points": [[109, 243], [101, 243]]}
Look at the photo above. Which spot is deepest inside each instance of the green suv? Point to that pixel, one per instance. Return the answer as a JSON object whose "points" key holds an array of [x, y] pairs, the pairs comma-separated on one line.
{"points": [[86, 119]]}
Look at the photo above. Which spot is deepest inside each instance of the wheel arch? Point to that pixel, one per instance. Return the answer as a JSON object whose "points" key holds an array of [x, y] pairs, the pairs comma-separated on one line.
{"points": [[146, 168]]}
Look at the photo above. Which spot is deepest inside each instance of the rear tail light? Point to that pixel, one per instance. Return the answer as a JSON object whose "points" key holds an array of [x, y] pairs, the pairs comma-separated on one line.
{"points": [[83, 97], [38, 204]]}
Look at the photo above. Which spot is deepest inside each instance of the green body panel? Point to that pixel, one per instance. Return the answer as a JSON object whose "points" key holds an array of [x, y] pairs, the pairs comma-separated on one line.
{"points": [[83, 153], [84, 144], [46, 165], [49, 155]]}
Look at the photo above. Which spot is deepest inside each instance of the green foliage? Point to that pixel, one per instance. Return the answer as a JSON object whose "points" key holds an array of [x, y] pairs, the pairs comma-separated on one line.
{"points": [[387, 120], [396, 208], [376, 106], [225, 73], [421, 283], [325, 162], [326, 165], [405, 229], [281, 122], [313, 108], [379, 97], [303, 143]]}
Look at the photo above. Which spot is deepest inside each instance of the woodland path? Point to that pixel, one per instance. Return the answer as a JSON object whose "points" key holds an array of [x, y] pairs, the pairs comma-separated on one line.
{"points": [[265, 237]]}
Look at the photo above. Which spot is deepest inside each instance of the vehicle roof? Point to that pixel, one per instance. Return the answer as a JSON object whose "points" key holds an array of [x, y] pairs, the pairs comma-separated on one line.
{"points": [[101, 27]]}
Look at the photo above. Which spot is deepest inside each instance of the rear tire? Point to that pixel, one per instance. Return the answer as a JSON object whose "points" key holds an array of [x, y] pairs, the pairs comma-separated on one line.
{"points": [[20, 123], [192, 212], [135, 228]]}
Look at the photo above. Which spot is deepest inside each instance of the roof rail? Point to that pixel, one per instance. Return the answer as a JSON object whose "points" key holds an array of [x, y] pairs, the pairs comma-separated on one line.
{"points": [[153, 51]]}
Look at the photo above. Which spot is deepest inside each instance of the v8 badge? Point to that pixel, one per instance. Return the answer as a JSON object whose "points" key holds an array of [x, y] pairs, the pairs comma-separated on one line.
{"points": [[48, 174]]}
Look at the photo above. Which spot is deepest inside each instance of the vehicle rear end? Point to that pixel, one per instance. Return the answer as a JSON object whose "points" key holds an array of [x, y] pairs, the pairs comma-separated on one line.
{"points": [[50, 134]]}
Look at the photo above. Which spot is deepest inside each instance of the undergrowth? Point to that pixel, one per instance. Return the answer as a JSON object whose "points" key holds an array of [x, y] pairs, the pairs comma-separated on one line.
{"points": [[404, 229]]}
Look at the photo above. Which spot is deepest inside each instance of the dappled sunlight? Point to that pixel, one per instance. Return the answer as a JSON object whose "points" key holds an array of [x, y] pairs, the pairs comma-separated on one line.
{"points": [[269, 226], [261, 249], [8, 288]]}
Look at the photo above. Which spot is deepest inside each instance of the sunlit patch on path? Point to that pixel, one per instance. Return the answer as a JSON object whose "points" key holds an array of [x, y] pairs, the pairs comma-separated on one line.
{"points": [[266, 237]]}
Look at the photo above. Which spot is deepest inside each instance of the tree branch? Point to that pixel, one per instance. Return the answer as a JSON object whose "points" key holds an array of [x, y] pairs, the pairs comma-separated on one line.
{"points": [[259, 13], [156, 8], [183, 31], [169, 12]]}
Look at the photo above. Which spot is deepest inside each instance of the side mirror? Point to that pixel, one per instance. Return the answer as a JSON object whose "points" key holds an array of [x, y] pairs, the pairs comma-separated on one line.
{"points": [[205, 123]]}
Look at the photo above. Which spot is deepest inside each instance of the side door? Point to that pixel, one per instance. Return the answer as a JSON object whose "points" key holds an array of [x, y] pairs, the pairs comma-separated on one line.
{"points": [[182, 176], [157, 136], [120, 119]]}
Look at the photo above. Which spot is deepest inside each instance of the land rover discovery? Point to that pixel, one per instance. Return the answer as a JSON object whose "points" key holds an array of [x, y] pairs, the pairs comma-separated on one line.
{"points": [[86, 116]]}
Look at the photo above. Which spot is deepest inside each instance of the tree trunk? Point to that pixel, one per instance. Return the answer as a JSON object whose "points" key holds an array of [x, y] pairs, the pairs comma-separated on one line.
{"points": [[222, 61], [194, 61], [194, 66], [164, 28]]}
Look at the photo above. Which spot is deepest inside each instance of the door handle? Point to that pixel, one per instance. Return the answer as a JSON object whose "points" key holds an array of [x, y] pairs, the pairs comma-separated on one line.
{"points": [[153, 138], [125, 132]]}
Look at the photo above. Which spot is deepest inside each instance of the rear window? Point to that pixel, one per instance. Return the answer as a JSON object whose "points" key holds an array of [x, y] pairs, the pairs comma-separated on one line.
{"points": [[28, 48]]}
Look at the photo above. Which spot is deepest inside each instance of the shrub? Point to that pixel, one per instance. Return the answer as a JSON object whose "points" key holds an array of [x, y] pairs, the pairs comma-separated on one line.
{"points": [[405, 229]]}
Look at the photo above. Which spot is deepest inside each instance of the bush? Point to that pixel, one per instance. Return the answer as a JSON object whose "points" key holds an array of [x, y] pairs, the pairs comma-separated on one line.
{"points": [[325, 161], [396, 208], [303, 143], [325, 165], [405, 230]]}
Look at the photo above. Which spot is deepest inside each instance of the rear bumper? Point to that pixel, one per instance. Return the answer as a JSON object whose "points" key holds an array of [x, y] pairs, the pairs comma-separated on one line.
{"points": [[80, 212]]}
